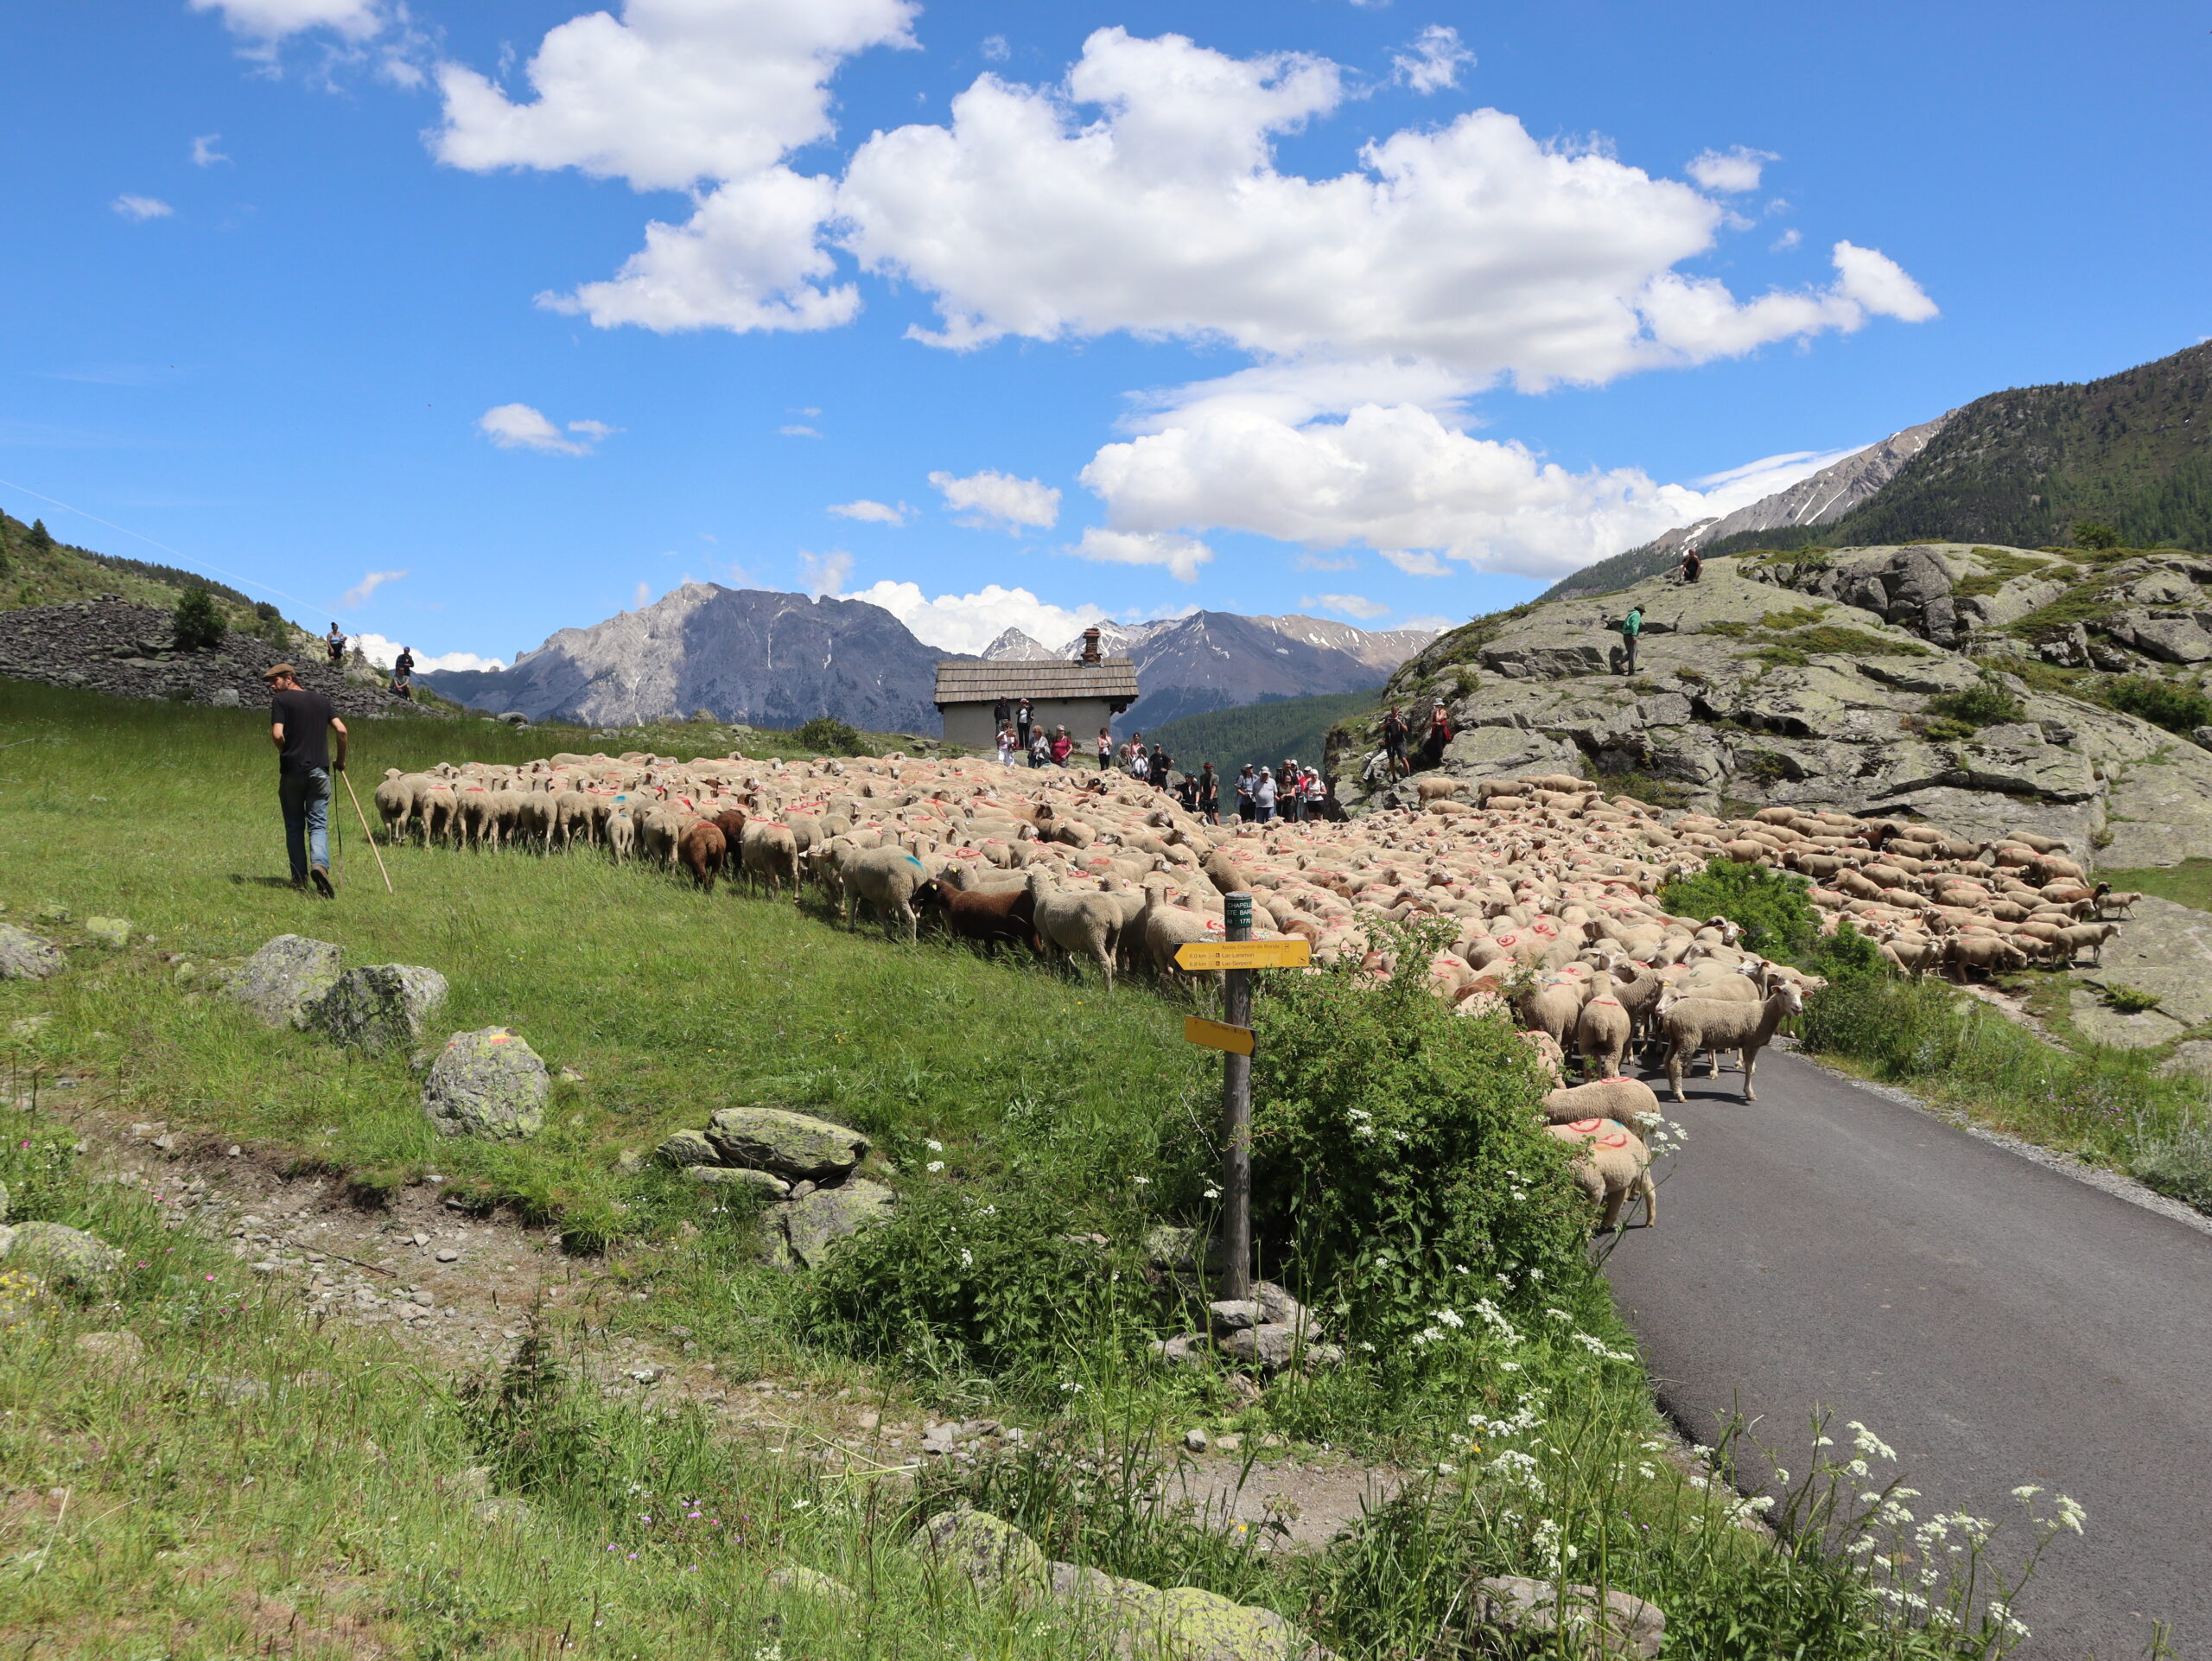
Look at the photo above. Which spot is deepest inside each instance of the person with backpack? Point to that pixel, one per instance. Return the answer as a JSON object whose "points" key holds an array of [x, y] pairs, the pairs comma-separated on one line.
{"points": [[1632, 627]]}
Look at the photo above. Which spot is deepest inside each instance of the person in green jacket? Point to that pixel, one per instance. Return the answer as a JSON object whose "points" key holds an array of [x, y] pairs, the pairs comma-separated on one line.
{"points": [[1631, 630]]}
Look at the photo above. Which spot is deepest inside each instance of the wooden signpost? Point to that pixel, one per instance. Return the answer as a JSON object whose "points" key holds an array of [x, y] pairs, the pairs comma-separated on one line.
{"points": [[1236, 955]]}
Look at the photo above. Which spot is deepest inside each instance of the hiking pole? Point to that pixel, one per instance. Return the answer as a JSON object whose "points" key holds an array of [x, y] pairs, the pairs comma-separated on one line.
{"points": [[366, 831]]}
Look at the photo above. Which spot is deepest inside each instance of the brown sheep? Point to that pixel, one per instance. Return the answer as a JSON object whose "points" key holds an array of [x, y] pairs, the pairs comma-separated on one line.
{"points": [[700, 850], [1007, 916]]}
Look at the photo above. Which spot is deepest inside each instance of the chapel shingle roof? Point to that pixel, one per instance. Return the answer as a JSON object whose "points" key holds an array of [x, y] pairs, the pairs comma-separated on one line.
{"points": [[972, 680]]}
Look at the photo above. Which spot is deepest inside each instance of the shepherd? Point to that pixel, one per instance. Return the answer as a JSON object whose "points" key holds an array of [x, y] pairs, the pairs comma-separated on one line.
{"points": [[300, 725], [1632, 627]]}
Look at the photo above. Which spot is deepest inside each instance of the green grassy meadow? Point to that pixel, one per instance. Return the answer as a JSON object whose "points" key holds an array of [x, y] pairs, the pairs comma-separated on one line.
{"points": [[328, 1508]]}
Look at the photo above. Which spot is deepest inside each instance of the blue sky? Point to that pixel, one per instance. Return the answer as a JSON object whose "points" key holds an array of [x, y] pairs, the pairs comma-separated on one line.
{"points": [[1388, 312]]}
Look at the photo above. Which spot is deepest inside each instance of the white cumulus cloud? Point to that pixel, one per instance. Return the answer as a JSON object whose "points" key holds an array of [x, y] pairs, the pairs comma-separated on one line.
{"points": [[870, 512], [204, 153], [142, 207], [385, 653], [370, 582], [1143, 194], [519, 427], [1181, 555], [1398, 479], [1729, 171], [1434, 59], [969, 622], [273, 20], [676, 94], [999, 499]]}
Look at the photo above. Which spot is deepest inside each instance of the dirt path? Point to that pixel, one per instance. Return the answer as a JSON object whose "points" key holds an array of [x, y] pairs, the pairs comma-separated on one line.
{"points": [[459, 1292]]}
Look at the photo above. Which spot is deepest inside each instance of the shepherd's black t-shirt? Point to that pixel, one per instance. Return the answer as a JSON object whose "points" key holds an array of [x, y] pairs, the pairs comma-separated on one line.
{"points": [[306, 719]]}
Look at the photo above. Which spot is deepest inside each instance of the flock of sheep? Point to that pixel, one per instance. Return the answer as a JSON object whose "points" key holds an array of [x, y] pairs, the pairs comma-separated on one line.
{"points": [[1548, 884]]}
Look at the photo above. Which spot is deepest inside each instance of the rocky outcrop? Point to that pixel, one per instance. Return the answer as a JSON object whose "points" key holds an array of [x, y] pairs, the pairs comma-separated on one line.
{"points": [[288, 973], [56, 1252], [105, 645], [489, 1085], [1829, 688], [24, 957], [380, 1007], [802, 1165]]}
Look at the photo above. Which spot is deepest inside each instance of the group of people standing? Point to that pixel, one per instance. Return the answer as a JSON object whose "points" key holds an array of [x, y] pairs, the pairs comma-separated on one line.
{"points": [[1400, 747], [1262, 795]]}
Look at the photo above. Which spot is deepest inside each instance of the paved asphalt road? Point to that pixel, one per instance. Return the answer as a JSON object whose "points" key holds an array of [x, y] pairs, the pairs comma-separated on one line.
{"points": [[1994, 1321]]}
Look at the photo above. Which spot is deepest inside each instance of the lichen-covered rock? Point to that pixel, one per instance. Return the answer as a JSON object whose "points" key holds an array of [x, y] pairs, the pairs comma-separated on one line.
{"points": [[1614, 1628], [109, 931], [810, 1582], [815, 1224], [283, 980], [1809, 684], [738, 1176], [990, 1551], [1186, 1624], [380, 1007], [794, 1145], [56, 1252], [24, 957], [685, 1149], [489, 1084]]}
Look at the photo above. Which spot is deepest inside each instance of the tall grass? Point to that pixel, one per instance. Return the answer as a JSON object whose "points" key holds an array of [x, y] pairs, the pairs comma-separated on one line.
{"points": [[2114, 1106]]}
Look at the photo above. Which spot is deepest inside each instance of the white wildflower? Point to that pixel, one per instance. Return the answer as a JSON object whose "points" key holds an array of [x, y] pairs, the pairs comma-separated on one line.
{"points": [[934, 1165]]}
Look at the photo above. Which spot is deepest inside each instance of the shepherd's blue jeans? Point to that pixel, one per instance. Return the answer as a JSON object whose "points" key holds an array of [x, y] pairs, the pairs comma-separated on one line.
{"points": [[305, 797]]}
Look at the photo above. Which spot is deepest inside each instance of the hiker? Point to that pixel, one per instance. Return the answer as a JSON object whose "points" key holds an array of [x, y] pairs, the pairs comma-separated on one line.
{"points": [[1439, 734], [402, 674], [300, 725], [1317, 794], [1632, 628], [1209, 805], [1263, 797], [1063, 746], [1287, 793], [1186, 792], [1246, 784], [1163, 767], [1394, 734], [1040, 749], [1022, 721], [336, 643], [1105, 750], [1691, 565], [1002, 713]]}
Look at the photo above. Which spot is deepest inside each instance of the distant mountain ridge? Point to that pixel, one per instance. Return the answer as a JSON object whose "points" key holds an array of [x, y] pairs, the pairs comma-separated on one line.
{"points": [[2019, 468], [780, 659], [1817, 500]]}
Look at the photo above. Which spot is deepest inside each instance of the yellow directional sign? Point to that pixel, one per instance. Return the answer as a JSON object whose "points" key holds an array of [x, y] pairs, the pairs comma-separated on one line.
{"points": [[1237, 1040], [1244, 954]]}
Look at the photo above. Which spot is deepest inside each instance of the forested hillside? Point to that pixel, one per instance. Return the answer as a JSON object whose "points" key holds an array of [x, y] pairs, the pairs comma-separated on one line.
{"points": [[2028, 467], [1267, 732]]}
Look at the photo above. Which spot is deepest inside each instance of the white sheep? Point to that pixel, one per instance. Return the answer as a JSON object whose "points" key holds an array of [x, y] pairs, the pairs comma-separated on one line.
{"points": [[1630, 1100], [883, 880], [1602, 1033], [1073, 924], [1689, 1025], [1612, 1166]]}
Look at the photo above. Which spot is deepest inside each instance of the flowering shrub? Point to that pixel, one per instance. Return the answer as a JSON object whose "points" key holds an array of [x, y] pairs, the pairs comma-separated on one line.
{"points": [[1399, 1164]]}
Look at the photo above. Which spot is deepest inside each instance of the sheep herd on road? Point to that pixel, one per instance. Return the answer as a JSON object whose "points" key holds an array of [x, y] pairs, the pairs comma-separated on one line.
{"points": [[1547, 885]]}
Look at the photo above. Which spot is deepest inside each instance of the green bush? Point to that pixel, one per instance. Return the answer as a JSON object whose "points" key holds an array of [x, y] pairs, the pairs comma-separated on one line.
{"points": [[2165, 703], [2130, 1000], [2094, 534], [1398, 1161], [827, 735], [1987, 702], [955, 1286], [197, 622], [1773, 908]]}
